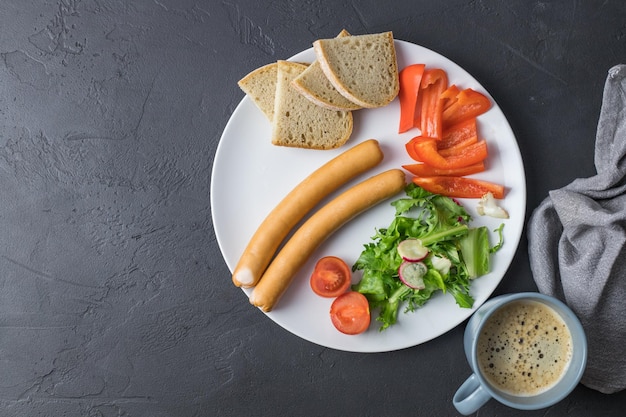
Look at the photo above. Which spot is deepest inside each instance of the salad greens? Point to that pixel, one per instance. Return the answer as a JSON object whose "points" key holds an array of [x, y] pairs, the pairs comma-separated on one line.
{"points": [[457, 254]]}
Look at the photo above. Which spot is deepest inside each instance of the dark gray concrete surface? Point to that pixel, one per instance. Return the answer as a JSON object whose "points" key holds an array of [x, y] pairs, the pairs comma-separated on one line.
{"points": [[114, 298]]}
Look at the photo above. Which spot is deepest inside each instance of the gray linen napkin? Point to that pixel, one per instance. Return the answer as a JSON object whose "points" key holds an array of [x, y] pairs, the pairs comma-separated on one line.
{"points": [[577, 244]]}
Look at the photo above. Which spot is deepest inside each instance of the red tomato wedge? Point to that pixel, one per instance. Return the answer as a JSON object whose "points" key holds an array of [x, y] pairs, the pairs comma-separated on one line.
{"points": [[350, 313], [459, 187], [434, 83], [410, 80], [424, 170], [425, 150], [468, 104], [331, 277]]}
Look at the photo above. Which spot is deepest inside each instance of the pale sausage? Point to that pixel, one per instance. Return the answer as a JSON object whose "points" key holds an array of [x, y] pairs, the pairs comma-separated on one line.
{"points": [[306, 195], [317, 228]]}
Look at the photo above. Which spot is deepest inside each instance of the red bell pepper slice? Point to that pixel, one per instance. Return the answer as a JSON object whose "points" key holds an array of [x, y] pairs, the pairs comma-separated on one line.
{"points": [[434, 82], [469, 104], [426, 151], [410, 149], [454, 139], [425, 170], [410, 80], [461, 148], [459, 187], [459, 135], [450, 96]]}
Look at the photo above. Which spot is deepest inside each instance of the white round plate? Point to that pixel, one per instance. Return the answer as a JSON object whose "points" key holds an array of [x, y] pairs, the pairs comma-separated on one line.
{"points": [[250, 176]]}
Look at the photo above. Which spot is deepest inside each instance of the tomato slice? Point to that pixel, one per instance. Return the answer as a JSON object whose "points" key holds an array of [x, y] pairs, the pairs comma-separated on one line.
{"points": [[460, 187], [331, 277], [350, 313]]}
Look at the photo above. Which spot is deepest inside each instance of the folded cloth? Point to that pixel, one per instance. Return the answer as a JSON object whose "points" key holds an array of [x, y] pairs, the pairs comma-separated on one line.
{"points": [[577, 244]]}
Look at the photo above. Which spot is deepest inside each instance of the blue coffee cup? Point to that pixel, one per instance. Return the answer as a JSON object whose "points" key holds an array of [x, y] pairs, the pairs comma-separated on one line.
{"points": [[478, 388]]}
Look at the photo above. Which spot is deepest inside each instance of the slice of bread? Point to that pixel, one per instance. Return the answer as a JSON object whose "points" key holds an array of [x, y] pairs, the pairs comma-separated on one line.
{"points": [[260, 86], [315, 86], [363, 68], [300, 123]]}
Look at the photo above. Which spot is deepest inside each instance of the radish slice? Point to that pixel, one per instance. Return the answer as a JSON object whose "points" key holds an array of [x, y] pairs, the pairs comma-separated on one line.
{"points": [[412, 274], [412, 250]]}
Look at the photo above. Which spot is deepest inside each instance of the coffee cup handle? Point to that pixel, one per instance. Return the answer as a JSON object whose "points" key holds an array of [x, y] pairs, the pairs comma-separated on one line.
{"points": [[470, 396]]}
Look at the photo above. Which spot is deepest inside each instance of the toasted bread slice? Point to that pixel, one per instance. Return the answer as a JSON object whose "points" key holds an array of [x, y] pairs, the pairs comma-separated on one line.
{"points": [[300, 123], [260, 86], [363, 68], [315, 86]]}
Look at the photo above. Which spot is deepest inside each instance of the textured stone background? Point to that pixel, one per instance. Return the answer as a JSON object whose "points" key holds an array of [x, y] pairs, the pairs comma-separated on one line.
{"points": [[114, 298]]}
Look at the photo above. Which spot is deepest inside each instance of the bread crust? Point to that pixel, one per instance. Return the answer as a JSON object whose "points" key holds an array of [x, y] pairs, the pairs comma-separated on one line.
{"points": [[346, 83], [260, 86], [330, 99], [316, 87]]}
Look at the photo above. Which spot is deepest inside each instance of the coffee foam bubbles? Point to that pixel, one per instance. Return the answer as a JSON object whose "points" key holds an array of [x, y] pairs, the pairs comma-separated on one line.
{"points": [[524, 348]]}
